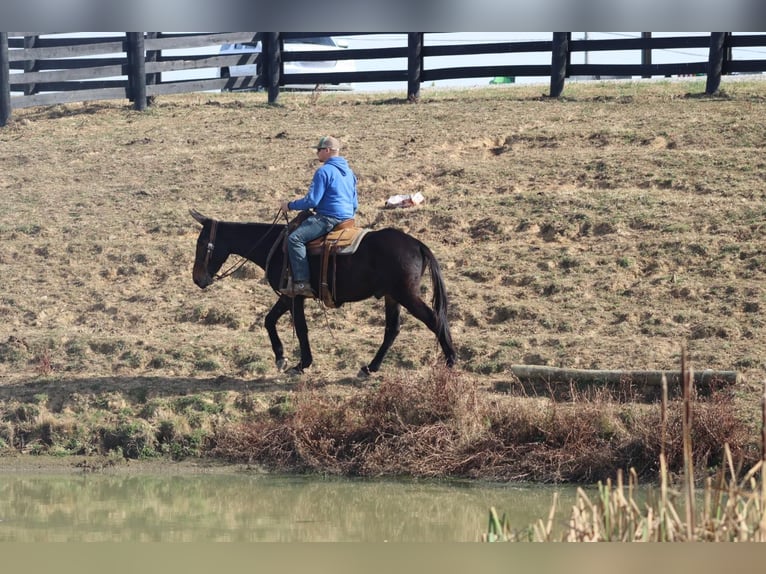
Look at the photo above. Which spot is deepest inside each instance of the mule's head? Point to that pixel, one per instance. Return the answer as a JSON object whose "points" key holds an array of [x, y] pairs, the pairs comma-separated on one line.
{"points": [[209, 257]]}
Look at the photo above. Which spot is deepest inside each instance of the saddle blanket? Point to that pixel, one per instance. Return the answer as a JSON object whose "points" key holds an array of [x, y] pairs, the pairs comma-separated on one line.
{"points": [[341, 241]]}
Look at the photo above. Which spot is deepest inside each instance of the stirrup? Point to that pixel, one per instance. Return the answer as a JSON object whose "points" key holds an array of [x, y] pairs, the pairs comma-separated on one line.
{"points": [[297, 289]]}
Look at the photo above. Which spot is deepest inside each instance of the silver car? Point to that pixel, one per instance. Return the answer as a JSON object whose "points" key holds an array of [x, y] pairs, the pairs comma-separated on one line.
{"points": [[308, 44]]}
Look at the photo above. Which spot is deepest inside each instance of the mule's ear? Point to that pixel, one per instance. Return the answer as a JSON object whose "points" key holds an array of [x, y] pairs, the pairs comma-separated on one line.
{"points": [[198, 216]]}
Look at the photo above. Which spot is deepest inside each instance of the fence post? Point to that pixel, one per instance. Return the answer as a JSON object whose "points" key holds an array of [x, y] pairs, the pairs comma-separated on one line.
{"points": [[271, 53], [716, 61], [559, 57], [30, 65], [414, 65], [152, 56], [136, 70], [5, 80], [129, 56], [646, 53]]}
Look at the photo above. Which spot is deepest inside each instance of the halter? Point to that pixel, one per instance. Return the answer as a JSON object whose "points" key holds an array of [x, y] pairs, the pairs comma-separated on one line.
{"points": [[211, 248], [236, 266], [231, 270], [211, 242]]}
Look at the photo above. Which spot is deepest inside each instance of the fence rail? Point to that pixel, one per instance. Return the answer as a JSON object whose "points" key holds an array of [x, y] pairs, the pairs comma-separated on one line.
{"points": [[37, 71]]}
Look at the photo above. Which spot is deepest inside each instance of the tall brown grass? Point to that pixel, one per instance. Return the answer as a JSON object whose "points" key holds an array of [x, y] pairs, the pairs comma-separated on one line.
{"points": [[442, 424], [731, 506]]}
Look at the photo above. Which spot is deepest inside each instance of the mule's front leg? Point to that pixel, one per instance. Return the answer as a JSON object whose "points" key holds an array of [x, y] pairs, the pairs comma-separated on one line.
{"points": [[281, 307], [301, 332]]}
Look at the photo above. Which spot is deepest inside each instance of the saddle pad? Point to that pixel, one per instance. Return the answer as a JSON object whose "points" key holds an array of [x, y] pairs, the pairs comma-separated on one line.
{"points": [[342, 241]]}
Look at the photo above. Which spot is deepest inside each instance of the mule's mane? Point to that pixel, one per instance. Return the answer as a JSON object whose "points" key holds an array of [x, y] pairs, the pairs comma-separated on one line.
{"points": [[251, 224]]}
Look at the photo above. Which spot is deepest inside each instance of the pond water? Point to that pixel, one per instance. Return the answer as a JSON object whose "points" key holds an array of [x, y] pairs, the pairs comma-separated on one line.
{"points": [[245, 507]]}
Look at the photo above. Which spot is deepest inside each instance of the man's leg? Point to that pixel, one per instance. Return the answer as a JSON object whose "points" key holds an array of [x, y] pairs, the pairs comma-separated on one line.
{"points": [[315, 226]]}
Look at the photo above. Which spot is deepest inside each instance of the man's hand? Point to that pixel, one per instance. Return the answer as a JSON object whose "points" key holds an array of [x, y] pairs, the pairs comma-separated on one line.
{"points": [[283, 206]]}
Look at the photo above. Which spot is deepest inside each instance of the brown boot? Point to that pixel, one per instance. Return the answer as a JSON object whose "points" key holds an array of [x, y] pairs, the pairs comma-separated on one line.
{"points": [[303, 289], [294, 289]]}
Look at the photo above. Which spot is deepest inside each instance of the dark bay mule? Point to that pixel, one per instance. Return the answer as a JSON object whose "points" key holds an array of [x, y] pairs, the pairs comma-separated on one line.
{"points": [[388, 263]]}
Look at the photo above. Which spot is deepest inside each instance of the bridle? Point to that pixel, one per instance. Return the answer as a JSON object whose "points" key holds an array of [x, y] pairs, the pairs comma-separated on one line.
{"points": [[211, 242], [231, 270], [234, 268]]}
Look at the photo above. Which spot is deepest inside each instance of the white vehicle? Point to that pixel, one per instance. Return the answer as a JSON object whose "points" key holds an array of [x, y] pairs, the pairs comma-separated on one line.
{"points": [[308, 44]]}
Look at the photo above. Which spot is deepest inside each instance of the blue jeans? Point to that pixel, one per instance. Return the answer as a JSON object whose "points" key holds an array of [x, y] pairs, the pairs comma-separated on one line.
{"points": [[315, 226]]}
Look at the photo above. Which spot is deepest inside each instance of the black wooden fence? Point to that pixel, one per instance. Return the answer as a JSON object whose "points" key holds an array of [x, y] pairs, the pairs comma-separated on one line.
{"points": [[55, 70]]}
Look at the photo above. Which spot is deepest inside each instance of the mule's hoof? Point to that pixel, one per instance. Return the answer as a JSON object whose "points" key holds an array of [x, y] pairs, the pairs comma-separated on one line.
{"points": [[364, 372], [295, 371], [281, 364]]}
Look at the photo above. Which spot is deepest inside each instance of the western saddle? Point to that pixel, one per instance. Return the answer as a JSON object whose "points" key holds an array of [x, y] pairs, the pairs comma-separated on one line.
{"points": [[343, 239]]}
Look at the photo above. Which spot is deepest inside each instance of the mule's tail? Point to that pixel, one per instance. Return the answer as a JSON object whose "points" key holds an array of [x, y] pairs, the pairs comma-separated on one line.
{"points": [[440, 303]]}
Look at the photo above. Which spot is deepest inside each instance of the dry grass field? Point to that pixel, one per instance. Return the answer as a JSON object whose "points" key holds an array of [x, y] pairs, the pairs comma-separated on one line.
{"points": [[601, 230]]}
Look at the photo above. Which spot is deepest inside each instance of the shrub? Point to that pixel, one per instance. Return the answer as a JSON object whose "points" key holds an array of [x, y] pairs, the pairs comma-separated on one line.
{"points": [[440, 425], [131, 438]]}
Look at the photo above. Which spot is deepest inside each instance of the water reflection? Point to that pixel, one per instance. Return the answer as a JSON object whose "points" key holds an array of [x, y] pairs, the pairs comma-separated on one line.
{"points": [[256, 508]]}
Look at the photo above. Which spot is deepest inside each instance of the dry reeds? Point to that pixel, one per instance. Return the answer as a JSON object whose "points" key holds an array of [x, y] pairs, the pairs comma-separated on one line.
{"points": [[441, 424], [732, 508]]}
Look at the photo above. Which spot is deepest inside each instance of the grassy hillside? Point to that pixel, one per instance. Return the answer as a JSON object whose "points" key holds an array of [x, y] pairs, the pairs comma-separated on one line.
{"points": [[602, 230]]}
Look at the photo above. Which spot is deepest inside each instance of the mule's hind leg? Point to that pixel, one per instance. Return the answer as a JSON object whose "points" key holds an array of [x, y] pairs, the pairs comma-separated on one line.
{"points": [[393, 325], [420, 310]]}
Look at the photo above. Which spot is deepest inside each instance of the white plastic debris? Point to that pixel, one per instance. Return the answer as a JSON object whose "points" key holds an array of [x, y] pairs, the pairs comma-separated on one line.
{"points": [[405, 200]]}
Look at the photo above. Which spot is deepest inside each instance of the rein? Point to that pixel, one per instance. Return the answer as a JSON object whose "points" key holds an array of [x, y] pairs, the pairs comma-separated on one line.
{"points": [[244, 259]]}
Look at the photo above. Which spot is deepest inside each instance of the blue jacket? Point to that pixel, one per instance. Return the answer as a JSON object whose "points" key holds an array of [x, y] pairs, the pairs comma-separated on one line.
{"points": [[332, 191]]}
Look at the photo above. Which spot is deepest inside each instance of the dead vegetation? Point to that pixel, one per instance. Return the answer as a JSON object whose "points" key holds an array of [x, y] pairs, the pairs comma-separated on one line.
{"points": [[731, 508], [443, 425]]}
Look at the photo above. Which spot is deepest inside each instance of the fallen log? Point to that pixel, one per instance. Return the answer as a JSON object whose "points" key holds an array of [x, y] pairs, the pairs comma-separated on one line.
{"points": [[550, 374], [630, 385]]}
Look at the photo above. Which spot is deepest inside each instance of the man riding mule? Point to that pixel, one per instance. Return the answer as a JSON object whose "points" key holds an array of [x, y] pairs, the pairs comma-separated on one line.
{"points": [[332, 195], [386, 263]]}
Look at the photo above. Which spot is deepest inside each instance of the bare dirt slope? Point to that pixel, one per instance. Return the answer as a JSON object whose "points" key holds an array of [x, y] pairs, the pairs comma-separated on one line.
{"points": [[600, 230]]}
